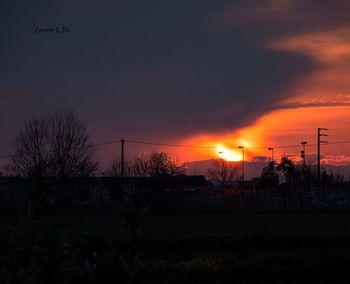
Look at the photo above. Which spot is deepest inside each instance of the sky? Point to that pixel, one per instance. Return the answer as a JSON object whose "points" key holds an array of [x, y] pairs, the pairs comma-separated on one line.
{"points": [[216, 74]]}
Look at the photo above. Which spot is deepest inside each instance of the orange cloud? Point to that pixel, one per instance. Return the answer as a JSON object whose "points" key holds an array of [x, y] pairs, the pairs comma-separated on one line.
{"points": [[318, 99], [283, 130]]}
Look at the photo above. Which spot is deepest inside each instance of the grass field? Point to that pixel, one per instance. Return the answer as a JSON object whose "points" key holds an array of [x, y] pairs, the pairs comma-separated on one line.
{"points": [[285, 248], [174, 226]]}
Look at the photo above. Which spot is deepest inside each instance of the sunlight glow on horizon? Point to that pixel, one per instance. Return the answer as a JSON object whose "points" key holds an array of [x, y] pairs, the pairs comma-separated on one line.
{"points": [[279, 127], [229, 155]]}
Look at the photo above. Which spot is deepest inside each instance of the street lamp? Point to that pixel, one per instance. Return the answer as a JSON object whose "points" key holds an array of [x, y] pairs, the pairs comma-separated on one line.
{"points": [[242, 147], [222, 158], [222, 172], [303, 143], [271, 149]]}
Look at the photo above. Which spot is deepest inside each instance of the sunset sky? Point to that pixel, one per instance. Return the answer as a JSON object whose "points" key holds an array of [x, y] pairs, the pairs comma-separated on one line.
{"points": [[216, 74]]}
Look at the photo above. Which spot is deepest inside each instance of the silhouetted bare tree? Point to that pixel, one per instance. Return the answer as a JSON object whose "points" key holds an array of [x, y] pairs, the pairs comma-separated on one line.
{"points": [[115, 169], [223, 173], [139, 167], [30, 149], [71, 153], [54, 146], [158, 164]]}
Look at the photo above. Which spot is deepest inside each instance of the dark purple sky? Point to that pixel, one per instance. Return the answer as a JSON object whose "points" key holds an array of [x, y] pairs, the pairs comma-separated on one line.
{"points": [[154, 70]]}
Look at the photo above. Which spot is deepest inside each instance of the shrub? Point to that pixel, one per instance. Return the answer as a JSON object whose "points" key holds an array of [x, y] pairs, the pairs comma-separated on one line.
{"points": [[202, 269]]}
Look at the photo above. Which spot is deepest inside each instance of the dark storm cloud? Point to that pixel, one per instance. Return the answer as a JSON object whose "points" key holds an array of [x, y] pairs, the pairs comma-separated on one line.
{"points": [[145, 68], [280, 17]]}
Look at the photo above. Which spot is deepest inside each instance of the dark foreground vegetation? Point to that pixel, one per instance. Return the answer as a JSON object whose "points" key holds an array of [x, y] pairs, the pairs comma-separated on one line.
{"points": [[136, 248]]}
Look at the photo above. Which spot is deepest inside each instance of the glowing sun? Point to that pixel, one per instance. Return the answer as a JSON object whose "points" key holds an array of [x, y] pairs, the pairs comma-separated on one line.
{"points": [[227, 154]]}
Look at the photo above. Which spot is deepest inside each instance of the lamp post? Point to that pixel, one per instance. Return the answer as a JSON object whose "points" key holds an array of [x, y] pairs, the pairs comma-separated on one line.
{"points": [[242, 147], [272, 154], [222, 172], [303, 143], [222, 160]]}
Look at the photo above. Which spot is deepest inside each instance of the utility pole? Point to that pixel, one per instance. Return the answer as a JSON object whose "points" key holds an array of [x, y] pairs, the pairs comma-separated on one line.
{"points": [[302, 154], [242, 147], [319, 141], [122, 160]]}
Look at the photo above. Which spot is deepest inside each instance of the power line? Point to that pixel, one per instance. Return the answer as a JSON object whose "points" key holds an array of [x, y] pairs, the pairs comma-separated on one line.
{"points": [[339, 142], [170, 145], [212, 147], [105, 143], [195, 146]]}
